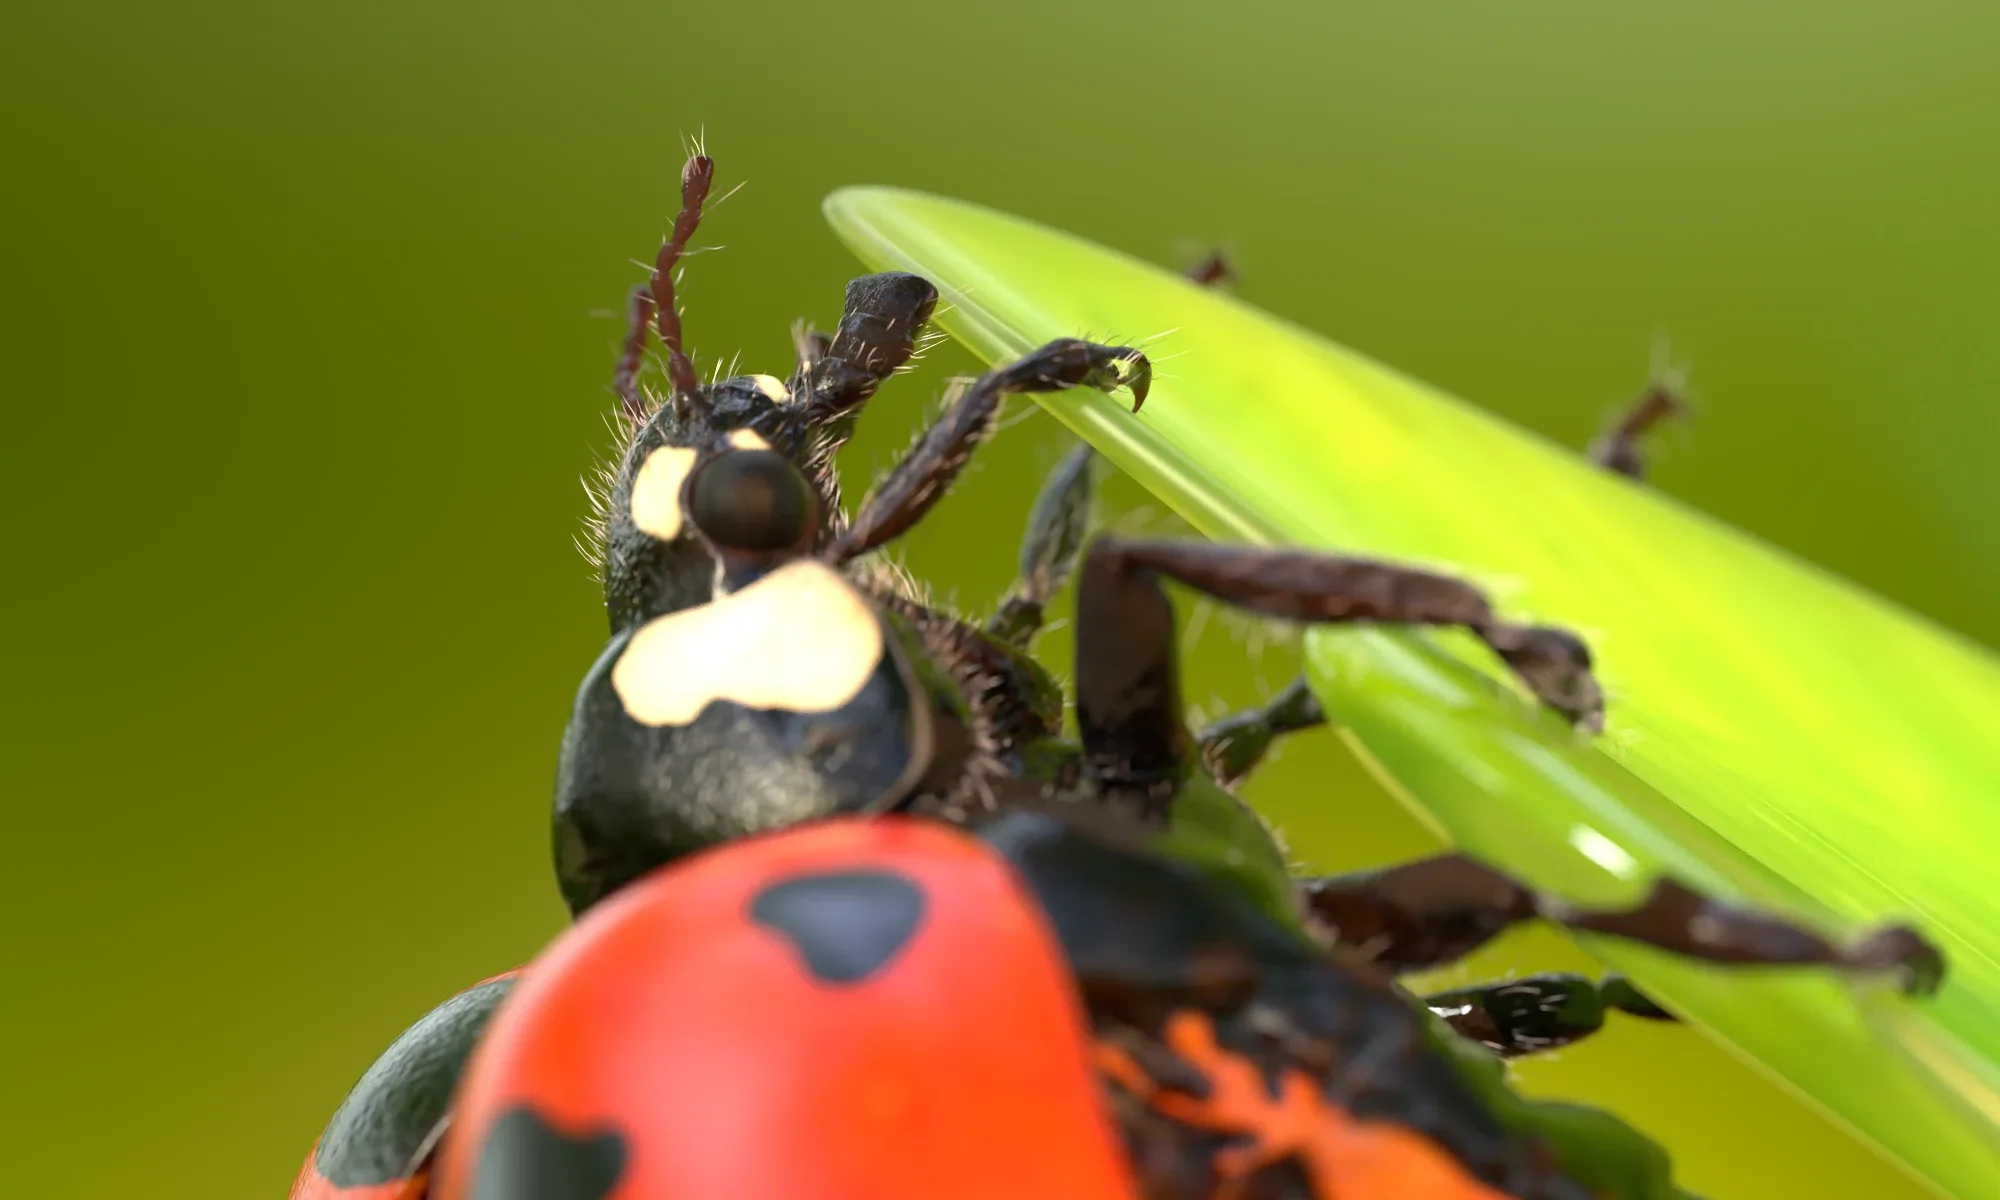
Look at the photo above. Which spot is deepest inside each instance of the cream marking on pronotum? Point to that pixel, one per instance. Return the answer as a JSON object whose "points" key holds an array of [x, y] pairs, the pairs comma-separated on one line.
{"points": [[801, 638], [773, 388], [656, 491], [747, 439]]}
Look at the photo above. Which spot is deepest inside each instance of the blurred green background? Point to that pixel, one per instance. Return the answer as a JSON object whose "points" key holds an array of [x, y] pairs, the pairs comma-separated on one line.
{"points": [[308, 337]]}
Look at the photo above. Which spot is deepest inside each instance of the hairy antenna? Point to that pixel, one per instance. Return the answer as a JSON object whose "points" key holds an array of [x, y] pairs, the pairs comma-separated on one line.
{"points": [[652, 304]]}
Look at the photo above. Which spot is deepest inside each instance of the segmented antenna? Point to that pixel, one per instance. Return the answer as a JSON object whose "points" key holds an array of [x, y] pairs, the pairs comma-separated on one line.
{"points": [[652, 304]]}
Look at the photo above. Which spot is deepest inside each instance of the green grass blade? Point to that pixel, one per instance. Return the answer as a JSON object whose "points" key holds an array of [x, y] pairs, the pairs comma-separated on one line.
{"points": [[1775, 735]]}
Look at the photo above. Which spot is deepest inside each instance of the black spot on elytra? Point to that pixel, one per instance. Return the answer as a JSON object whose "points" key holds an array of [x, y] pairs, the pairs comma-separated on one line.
{"points": [[847, 925], [384, 1120], [526, 1158]]}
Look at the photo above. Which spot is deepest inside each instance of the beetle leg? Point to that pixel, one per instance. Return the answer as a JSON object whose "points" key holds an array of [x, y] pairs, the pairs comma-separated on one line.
{"points": [[1438, 910], [1618, 447], [1128, 698], [1539, 1012], [920, 480], [1300, 585], [1213, 271], [1055, 533], [652, 305], [1128, 695], [1232, 747], [880, 323]]}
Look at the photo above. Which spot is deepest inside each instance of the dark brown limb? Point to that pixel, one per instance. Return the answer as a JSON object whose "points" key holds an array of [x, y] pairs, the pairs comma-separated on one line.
{"points": [[1128, 698], [652, 303], [1539, 1012], [1618, 448], [880, 322], [1214, 271], [920, 480], [1297, 585], [1056, 528], [1435, 911], [1235, 745]]}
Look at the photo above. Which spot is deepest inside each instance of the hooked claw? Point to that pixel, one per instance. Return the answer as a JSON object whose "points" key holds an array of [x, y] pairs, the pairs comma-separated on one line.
{"points": [[1139, 377], [1916, 965], [1130, 369]]}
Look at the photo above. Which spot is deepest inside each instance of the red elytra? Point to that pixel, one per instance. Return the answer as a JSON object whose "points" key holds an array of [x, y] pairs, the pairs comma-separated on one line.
{"points": [[311, 1185], [673, 1047]]}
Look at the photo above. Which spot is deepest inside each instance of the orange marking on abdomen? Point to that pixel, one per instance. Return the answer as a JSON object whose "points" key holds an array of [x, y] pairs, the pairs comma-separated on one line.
{"points": [[1344, 1158]]}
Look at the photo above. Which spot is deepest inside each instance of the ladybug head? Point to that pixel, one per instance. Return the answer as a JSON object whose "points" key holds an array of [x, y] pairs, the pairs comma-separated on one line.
{"points": [[753, 507], [651, 560], [750, 504]]}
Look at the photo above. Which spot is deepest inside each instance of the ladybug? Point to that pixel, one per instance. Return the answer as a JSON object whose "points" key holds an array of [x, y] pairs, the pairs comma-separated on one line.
{"points": [[813, 683], [765, 672], [898, 1008]]}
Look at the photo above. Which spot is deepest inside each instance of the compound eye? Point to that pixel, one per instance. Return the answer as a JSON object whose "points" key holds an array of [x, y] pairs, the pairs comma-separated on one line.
{"points": [[751, 500]]}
